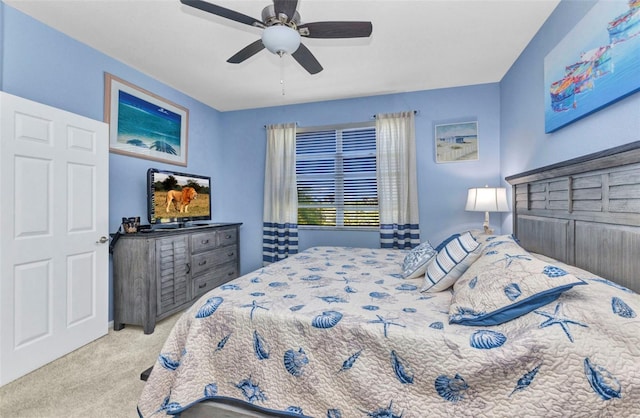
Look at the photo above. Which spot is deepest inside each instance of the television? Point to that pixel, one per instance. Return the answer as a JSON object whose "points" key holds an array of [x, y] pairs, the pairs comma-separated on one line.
{"points": [[175, 199]]}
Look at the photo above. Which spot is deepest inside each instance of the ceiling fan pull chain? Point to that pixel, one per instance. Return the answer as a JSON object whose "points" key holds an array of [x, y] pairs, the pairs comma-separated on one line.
{"points": [[282, 74]]}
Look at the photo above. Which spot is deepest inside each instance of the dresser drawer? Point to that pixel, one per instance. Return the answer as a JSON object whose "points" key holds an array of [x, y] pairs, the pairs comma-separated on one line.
{"points": [[203, 241], [210, 259], [214, 278], [227, 237], [208, 240]]}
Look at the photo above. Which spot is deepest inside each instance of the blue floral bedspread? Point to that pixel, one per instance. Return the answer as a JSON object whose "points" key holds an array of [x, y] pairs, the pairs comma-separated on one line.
{"points": [[336, 332]]}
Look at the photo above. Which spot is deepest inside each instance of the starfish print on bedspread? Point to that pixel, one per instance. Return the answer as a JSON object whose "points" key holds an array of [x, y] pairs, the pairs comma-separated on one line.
{"points": [[555, 319], [348, 281], [508, 259], [254, 305], [386, 323]]}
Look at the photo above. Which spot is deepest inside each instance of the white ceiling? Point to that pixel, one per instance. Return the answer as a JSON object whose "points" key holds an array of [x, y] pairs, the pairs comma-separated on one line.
{"points": [[415, 45]]}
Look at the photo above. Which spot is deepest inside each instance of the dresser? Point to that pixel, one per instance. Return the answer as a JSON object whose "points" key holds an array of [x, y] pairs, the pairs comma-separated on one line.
{"points": [[158, 273]]}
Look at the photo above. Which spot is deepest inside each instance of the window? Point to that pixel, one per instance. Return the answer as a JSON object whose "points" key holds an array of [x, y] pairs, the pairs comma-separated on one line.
{"points": [[336, 176]]}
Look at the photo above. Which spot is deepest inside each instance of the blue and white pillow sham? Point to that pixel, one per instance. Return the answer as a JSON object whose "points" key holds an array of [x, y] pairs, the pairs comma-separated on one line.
{"points": [[451, 262], [445, 242], [415, 263], [505, 283]]}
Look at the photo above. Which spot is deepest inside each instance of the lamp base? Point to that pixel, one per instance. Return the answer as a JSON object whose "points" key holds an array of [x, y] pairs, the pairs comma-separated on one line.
{"points": [[485, 225]]}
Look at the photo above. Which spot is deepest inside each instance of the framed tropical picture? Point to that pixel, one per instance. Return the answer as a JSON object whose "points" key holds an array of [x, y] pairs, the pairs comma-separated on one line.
{"points": [[144, 125], [456, 142]]}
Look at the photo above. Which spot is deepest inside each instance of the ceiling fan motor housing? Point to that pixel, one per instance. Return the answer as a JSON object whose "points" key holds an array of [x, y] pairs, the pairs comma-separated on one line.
{"points": [[270, 17]]}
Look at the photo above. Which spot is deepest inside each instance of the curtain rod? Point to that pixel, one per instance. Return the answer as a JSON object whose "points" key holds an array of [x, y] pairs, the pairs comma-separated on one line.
{"points": [[415, 112], [265, 126]]}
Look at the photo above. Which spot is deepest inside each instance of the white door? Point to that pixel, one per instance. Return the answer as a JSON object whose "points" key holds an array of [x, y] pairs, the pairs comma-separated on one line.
{"points": [[54, 177]]}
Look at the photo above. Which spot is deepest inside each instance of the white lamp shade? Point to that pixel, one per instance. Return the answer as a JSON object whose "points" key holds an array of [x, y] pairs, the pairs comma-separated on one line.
{"points": [[487, 199], [281, 39]]}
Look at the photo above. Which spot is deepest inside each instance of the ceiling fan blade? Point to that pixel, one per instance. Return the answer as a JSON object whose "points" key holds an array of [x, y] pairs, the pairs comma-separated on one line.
{"points": [[336, 29], [247, 52], [285, 7], [223, 12], [307, 60]]}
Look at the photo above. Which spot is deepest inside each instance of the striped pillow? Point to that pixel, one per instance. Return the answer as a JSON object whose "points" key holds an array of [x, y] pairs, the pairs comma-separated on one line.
{"points": [[451, 262]]}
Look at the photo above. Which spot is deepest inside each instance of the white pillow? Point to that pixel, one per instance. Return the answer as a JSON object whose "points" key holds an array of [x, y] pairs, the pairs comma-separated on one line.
{"points": [[451, 262], [415, 263]]}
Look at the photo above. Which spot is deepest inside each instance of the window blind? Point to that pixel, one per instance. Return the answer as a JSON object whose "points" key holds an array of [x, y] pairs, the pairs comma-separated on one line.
{"points": [[336, 176]]}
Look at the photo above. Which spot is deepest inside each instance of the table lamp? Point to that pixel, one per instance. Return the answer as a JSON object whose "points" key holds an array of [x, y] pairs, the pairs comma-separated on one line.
{"points": [[487, 199]]}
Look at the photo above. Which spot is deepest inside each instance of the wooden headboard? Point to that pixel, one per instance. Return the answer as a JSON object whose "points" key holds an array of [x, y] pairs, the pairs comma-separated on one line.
{"points": [[584, 212]]}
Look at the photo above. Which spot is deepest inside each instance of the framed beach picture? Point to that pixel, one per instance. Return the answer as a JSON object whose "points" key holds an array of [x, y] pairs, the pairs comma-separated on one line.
{"points": [[456, 142], [595, 64], [144, 125]]}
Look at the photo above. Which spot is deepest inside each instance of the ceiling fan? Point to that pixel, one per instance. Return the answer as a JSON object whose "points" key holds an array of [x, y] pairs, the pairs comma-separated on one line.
{"points": [[282, 31]]}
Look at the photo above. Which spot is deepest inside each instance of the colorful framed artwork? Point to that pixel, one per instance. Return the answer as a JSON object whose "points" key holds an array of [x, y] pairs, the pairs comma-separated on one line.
{"points": [[456, 142], [144, 125], [595, 64]]}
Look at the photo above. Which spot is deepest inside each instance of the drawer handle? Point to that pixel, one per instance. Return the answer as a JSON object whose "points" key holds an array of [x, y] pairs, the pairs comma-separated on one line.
{"points": [[227, 236], [204, 241], [202, 263], [188, 268], [231, 254], [231, 273], [202, 286]]}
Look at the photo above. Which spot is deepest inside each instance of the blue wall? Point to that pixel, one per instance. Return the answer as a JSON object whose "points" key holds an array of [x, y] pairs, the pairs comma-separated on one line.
{"points": [[524, 145], [441, 186], [47, 66], [44, 65], [41, 64]]}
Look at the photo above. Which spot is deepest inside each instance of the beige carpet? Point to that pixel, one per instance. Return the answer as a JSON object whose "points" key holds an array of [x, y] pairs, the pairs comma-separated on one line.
{"points": [[101, 379]]}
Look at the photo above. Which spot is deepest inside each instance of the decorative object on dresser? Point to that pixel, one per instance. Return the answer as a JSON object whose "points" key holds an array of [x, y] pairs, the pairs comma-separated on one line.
{"points": [[160, 272], [487, 199], [130, 225]]}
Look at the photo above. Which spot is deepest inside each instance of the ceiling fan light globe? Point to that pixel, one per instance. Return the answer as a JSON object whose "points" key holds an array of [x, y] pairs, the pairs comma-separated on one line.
{"points": [[281, 39]]}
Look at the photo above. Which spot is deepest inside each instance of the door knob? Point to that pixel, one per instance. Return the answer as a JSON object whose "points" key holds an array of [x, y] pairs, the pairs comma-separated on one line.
{"points": [[102, 240]]}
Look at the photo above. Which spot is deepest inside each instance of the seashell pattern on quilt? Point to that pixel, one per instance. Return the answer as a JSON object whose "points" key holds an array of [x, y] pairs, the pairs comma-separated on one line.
{"points": [[337, 332]]}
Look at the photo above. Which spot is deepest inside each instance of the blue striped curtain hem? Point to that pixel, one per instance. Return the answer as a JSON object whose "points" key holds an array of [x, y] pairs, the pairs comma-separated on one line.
{"points": [[396, 236], [278, 241]]}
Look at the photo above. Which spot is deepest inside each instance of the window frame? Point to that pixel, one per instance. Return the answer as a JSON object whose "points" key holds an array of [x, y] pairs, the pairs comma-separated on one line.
{"points": [[338, 127]]}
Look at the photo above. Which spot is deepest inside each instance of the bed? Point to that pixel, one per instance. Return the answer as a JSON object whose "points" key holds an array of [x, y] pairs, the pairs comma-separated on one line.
{"points": [[544, 322]]}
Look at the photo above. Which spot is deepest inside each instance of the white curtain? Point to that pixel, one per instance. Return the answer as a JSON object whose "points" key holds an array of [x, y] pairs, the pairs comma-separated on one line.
{"points": [[397, 183], [280, 216]]}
